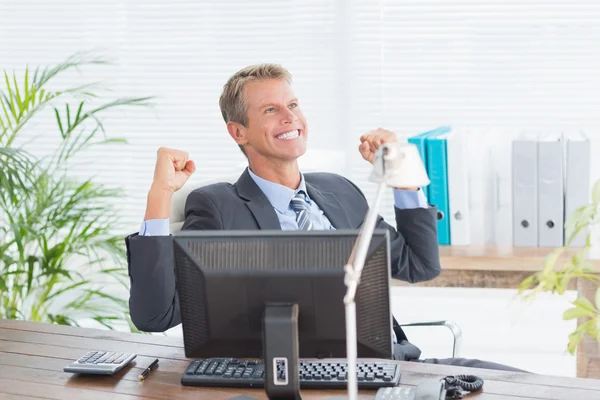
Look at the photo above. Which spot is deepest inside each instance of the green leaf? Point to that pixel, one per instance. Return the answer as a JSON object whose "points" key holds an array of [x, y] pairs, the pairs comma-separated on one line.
{"points": [[61, 320], [586, 326], [62, 131], [26, 99], [577, 312], [574, 339], [549, 280], [593, 330], [31, 263], [596, 192], [4, 104], [585, 304], [102, 320], [68, 289], [10, 100], [138, 101], [564, 283], [78, 113], [20, 104], [113, 140], [551, 258], [68, 118], [528, 282], [108, 297]]}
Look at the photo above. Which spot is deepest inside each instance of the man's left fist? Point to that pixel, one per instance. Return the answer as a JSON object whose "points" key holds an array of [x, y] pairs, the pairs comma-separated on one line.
{"points": [[371, 141]]}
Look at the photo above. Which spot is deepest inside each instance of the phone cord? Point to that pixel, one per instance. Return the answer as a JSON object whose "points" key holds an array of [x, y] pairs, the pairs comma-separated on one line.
{"points": [[456, 384]]}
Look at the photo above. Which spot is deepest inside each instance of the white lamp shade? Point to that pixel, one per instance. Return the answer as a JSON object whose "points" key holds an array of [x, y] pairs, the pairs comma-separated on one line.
{"points": [[402, 165]]}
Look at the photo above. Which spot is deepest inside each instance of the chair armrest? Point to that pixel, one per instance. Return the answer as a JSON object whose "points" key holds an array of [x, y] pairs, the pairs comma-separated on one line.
{"points": [[454, 328]]}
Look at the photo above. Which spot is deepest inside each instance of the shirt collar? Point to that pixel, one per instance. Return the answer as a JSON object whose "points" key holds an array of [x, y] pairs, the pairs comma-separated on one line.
{"points": [[278, 195]]}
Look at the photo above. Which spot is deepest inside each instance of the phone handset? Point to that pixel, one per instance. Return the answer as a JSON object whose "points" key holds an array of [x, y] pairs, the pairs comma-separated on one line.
{"points": [[431, 389], [451, 387]]}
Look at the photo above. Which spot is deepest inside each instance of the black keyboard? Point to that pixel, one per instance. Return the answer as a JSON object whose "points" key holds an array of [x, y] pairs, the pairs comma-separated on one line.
{"points": [[231, 372]]}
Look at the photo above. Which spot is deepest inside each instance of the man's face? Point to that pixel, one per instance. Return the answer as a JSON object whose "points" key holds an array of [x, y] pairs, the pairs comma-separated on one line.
{"points": [[276, 128]]}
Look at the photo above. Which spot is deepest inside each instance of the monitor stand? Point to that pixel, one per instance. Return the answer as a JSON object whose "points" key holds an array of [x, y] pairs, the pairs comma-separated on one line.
{"points": [[280, 346]]}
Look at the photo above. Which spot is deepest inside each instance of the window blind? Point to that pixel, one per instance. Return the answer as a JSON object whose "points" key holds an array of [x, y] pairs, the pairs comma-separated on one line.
{"points": [[407, 66], [416, 65]]}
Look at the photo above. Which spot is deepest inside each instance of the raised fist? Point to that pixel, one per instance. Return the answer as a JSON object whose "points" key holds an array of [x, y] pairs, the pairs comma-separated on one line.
{"points": [[172, 170], [371, 141]]}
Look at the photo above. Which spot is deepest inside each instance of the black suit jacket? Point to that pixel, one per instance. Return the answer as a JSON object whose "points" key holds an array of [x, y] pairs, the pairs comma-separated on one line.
{"points": [[153, 302]]}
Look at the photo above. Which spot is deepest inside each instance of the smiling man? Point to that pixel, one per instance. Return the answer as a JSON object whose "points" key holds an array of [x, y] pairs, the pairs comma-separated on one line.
{"points": [[264, 118]]}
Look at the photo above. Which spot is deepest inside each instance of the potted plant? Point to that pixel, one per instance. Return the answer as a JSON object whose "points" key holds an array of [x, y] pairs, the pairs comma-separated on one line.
{"points": [[58, 251], [566, 263]]}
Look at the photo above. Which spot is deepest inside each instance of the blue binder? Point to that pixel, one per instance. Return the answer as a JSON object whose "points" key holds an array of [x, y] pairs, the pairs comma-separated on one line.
{"points": [[437, 169], [420, 141]]}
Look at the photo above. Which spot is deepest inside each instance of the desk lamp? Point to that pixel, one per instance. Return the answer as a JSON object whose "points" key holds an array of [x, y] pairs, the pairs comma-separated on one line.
{"points": [[397, 165]]}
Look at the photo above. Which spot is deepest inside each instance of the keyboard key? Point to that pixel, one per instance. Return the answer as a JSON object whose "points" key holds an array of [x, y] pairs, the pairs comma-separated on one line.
{"points": [[191, 369], [212, 367], [248, 373], [202, 368]]}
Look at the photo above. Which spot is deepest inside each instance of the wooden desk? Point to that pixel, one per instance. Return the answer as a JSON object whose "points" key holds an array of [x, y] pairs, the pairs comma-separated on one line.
{"points": [[498, 267], [32, 357]]}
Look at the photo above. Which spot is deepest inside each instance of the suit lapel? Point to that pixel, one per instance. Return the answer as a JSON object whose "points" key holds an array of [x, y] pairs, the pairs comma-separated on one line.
{"points": [[330, 206], [257, 203]]}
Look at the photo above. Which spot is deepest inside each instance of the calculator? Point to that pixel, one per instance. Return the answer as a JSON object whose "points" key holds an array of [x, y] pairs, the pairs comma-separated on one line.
{"points": [[100, 363]]}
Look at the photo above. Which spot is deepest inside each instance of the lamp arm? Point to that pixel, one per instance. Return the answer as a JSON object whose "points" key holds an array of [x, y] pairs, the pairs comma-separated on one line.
{"points": [[358, 256], [353, 270]]}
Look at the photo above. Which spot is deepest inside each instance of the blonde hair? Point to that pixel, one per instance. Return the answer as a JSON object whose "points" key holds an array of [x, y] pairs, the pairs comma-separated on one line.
{"points": [[234, 107]]}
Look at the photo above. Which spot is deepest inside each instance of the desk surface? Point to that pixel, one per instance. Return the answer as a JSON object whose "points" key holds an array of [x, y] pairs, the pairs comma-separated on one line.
{"points": [[32, 357]]}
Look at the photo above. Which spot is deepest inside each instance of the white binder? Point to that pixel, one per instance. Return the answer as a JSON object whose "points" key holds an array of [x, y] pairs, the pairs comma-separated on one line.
{"points": [[458, 188], [577, 177], [476, 149], [550, 191], [525, 181], [501, 204]]}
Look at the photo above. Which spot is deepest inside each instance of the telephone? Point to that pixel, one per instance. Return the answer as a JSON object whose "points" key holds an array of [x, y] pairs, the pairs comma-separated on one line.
{"points": [[431, 389], [451, 387]]}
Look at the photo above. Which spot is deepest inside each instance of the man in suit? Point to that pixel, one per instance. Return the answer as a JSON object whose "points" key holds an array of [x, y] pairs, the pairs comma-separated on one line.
{"points": [[264, 118]]}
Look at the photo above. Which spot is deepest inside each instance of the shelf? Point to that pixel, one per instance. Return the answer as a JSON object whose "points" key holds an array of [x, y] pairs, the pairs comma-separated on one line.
{"points": [[490, 258]]}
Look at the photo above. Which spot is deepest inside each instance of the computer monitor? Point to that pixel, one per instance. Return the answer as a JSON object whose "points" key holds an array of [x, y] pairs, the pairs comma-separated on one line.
{"points": [[225, 280]]}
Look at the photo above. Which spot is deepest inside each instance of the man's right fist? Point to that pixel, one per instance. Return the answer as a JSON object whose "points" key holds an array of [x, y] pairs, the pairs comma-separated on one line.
{"points": [[172, 170]]}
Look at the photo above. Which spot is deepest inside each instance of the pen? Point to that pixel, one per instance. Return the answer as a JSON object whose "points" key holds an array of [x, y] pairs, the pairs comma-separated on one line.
{"points": [[146, 372]]}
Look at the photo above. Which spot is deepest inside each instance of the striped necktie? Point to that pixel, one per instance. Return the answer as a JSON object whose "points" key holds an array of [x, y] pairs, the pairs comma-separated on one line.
{"points": [[301, 207]]}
